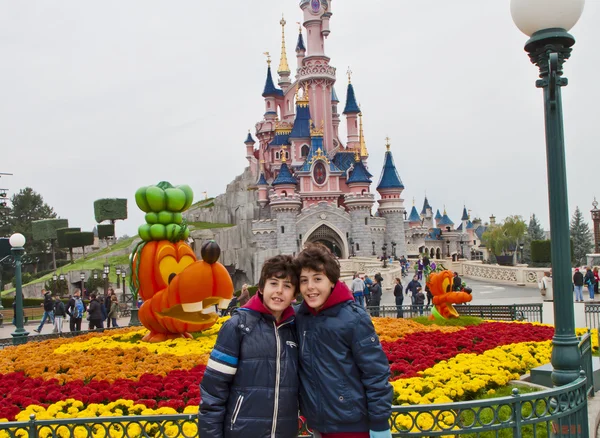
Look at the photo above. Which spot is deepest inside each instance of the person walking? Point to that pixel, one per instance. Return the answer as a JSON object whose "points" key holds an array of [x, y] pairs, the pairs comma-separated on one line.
{"points": [[546, 287], [597, 279], [106, 303], [376, 293], [113, 313], [75, 310], [48, 310], [429, 296], [419, 301], [358, 288], [456, 283], [578, 285], [59, 315], [399, 295], [413, 288], [367, 290], [95, 313], [590, 281]]}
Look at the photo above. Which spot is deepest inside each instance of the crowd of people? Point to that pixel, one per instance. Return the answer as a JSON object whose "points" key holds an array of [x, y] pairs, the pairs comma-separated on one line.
{"points": [[98, 310]]}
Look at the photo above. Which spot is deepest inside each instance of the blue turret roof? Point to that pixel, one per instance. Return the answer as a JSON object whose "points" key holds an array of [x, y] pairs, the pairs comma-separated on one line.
{"points": [[425, 206], [262, 181], [270, 89], [414, 215], [359, 174], [285, 176], [249, 139], [465, 216], [389, 176], [300, 43], [301, 127], [343, 160], [316, 144], [445, 221], [470, 225], [351, 105], [280, 139], [334, 97], [438, 216]]}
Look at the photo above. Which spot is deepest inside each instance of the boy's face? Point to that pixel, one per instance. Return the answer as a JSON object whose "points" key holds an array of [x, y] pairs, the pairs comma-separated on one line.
{"points": [[278, 294], [315, 287]]}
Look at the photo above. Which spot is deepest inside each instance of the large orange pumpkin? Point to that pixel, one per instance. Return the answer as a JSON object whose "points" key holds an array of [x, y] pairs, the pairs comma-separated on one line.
{"points": [[440, 285], [179, 292]]}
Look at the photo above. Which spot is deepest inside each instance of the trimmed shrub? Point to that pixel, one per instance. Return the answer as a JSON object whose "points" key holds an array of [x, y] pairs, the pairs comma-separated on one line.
{"points": [[45, 229], [111, 209], [60, 236], [79, 239], [541, 251], [106, 230]]}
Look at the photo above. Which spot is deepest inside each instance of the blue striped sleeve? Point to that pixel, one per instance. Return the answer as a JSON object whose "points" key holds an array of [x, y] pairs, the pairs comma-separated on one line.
{"points": [[223, 357]]}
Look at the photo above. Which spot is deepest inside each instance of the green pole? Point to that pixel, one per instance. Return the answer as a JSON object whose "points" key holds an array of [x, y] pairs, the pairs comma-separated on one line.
{"points": [[549, 49], [19, 335]]}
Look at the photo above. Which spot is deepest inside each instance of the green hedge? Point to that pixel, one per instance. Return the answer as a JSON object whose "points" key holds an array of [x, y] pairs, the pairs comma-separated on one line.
{"points": [[110, 209], [106, 230], [60, 236], [541, 251], [79, 239], [45, 229]]}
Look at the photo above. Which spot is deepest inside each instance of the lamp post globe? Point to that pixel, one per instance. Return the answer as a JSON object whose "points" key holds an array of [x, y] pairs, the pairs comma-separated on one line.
{"points": [[531, 16], [546, 22], [17, 242]]}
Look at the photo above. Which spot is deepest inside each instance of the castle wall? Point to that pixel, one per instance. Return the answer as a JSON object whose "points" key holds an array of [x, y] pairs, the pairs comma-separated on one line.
{"points": [[286, 232], [361, 231], [395, 232]]}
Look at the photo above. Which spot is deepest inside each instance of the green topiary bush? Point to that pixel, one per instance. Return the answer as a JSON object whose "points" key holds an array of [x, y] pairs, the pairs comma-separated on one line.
{"points": [[106, 230], [110, 209], [45, 229]]}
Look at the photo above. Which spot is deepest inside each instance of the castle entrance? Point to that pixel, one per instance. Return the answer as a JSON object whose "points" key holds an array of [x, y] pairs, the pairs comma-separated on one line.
{"points": [[330, 239]]}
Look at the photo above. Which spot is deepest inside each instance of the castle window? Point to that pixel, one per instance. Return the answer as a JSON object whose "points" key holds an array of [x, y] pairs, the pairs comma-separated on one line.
{"points": [[277, 155], [357, 247], [287, 155], [269, 105], [366, 221], [282, 229], [304, 150]]}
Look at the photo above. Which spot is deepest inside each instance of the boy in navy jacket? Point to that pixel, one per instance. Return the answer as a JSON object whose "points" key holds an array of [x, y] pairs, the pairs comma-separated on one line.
{"points": [[344, 373], [250, 386]]}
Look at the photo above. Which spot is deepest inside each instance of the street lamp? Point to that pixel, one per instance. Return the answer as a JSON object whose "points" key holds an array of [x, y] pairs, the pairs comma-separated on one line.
{"points": [[61, 278], [521, 246], [54, 279], [394, 250], [384, 249], [547, 22], [105, 276], [17, 243], [95, 275], [462, 250], [118, 272], [373, 243], [82, 278], [123, 275]]}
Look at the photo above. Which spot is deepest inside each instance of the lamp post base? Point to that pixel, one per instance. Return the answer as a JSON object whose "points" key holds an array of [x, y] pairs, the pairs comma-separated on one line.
{"points": [[134, 321], [20, 336]]}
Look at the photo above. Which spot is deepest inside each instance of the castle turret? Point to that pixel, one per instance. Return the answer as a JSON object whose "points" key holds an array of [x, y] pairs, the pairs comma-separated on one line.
{"points": [[351, 111], [464, 219], [249, 146], [284, 68], [270, 93], [263, 187], [359, 203], [445, 222], [300, 48], [438, 218], [391, 205], [427, 214], [414, 219], [285, 205]]}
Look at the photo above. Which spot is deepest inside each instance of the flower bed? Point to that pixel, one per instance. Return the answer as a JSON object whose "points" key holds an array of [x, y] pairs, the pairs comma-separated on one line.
{"points": [[116, 374]]}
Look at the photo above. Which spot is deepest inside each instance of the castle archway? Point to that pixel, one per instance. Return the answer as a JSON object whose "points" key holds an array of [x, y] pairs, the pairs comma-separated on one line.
{"points": [[329, 237]]}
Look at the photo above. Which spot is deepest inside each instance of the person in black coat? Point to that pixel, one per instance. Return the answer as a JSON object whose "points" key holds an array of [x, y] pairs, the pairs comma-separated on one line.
{"points": [[399, 294], [457, 283], [376, 293], [95, 313], [590, 280], [578, 285], [75, 323]]}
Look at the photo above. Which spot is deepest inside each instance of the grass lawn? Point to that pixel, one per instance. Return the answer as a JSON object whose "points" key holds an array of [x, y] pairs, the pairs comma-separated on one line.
{"points": [[207, 225]]}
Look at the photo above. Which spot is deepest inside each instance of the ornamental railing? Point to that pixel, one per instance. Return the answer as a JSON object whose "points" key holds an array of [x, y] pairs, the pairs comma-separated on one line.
{"points": [[497, 312], [558, 411], [587, 366], [592, 315]]}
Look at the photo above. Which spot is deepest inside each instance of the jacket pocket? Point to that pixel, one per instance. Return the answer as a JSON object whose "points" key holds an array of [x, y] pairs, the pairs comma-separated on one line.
{"points": [[236, 410]]}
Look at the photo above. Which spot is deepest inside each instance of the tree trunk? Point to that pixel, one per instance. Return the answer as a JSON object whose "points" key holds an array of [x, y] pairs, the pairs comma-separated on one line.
{"points": [[53, 254]]}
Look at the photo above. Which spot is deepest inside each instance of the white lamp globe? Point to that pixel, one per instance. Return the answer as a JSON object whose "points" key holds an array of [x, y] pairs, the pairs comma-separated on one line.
{"points": [[17, 240], [531, 16]]}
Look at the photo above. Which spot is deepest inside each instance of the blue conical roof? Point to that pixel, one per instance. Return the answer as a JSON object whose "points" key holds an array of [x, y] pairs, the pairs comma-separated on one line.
{"points": [[446, 220], [465, 215], [359, 174], [280, 139], [414, 215], [389, 176], [301, 128], [438, 216], [300, 43], [425, 206], [334, 97], [270, 89], [262, 181], [470, 225], [249, 139], [351, 105], [285, 176]]}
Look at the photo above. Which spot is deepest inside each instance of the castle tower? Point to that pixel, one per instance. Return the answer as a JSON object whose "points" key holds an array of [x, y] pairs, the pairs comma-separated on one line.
{"points": [[464, 219], [300, 50], [391, 205], [438, 218], [445, 222], [315, 70], [351, 111], [427, 214], [270, 93], [414, 220], [263, 187], [249, 142], [285, 205], [359, 204], [284, 69]]}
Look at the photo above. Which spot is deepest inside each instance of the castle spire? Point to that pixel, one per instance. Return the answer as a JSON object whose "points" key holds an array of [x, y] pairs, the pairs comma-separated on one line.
{"points": [[300, 44], [283, 63], [270, 89], [351, 105], [361, 136], [389, 175]]}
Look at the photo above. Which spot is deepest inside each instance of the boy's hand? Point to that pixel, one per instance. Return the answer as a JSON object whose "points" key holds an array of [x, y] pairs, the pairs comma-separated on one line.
{"points": [[380, 434]]}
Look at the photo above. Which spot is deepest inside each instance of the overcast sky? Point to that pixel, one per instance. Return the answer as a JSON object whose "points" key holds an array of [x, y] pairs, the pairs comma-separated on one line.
{"points": [[100, 98]]}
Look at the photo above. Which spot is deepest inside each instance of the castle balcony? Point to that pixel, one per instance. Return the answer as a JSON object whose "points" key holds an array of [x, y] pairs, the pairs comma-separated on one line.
{"points": [[316, 69]]}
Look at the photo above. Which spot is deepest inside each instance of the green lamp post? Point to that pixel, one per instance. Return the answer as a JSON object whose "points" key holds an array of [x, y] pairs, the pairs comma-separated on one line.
{"points": [[547, 22], [17, 242]]}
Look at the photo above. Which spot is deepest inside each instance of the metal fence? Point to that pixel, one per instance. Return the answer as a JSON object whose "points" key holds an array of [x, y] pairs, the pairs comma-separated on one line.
{"points": [[510, 312], [587, 366], [592, 315], [559, 411]]}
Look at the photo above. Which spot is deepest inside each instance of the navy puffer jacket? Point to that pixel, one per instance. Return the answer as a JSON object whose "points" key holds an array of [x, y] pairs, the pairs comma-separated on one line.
{"points": [[344, 372], [250, 386]]}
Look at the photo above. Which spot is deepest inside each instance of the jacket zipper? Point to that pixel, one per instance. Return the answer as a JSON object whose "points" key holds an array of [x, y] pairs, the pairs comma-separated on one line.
{"points": [[277, 378], [236, 410], [303, 342]]}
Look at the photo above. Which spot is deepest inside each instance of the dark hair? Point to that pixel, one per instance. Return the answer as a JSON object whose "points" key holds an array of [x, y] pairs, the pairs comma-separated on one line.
{"points": [[317, 257], [93, 296], [281, 266]]}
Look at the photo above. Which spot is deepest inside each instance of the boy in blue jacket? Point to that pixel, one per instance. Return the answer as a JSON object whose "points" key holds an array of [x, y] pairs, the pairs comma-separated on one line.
{"points": [[344, 373], [250, 386]]}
